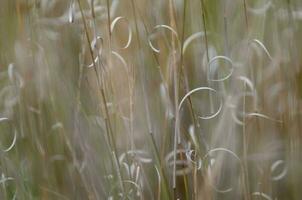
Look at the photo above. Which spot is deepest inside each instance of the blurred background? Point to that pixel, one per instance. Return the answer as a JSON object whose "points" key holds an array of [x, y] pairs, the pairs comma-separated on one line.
{"points": [[150, 99]]}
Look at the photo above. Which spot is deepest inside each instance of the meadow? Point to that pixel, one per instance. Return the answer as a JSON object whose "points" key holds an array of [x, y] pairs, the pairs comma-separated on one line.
{"points": [[150, 99]]}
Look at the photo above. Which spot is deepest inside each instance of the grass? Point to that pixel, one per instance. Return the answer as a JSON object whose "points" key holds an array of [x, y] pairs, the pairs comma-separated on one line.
{"points": [[161, 99]]}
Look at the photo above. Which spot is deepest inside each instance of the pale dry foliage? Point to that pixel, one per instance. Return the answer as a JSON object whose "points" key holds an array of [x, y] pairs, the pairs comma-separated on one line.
{"points": [[151, 99]]}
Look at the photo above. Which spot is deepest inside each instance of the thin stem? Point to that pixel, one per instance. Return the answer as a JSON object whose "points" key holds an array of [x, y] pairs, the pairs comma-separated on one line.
{"points": [[245, 15]]}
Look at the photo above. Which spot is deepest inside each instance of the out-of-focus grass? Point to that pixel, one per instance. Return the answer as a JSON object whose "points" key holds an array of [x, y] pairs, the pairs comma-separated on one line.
{"points": [[204, 101]]}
